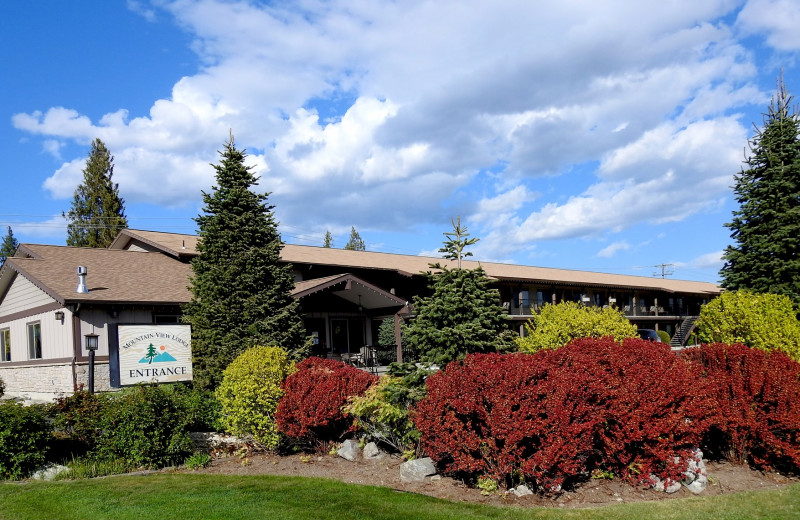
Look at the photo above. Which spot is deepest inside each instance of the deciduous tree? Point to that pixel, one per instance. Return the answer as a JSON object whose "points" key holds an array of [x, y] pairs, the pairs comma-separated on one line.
{"points": [[241, 291], [98, 212]]}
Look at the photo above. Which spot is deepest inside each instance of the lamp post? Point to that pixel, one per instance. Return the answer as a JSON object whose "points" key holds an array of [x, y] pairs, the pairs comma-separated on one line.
{"points": [[91, 346]]}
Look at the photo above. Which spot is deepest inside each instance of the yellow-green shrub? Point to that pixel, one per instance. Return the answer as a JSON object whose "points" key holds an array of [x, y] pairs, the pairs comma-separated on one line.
{"points": [[250, 392], [759, 320], [557, 325]]}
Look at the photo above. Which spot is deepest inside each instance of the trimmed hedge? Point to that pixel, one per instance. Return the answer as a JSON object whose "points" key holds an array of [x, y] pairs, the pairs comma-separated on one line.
{"points": [[758, 396], [634, 409], [311, 408]]}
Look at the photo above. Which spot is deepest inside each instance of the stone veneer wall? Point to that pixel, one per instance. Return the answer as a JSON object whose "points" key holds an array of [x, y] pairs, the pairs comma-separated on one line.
{"points": [[47, 382]]}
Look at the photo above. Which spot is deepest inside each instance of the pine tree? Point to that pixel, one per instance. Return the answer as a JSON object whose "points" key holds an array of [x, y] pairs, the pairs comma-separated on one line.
{"points": [[766, 227], [328, 240], [241, 291], [9, 246], [462, 315], [98, 213], [355, 243], [456, 242]]}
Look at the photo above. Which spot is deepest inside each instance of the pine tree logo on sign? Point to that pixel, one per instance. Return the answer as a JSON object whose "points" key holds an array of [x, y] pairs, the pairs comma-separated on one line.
{"points": [[155, 357]]}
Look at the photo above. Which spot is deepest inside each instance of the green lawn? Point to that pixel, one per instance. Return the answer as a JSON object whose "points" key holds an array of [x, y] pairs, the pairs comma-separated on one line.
{"points": [[206, 497]]}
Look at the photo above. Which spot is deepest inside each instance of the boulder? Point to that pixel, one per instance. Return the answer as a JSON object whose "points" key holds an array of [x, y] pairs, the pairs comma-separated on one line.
{"points": [[349, 450], [49, 472], [416, 470], [372, 451], [522, 490]]}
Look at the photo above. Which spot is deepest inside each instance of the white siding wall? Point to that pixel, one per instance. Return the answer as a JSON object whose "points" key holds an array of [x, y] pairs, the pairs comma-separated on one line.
{"points": [[56, 336], [23, 295]]}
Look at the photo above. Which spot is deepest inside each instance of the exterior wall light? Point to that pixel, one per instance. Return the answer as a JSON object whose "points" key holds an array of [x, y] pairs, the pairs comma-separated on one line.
{"points": [[59, 315]]}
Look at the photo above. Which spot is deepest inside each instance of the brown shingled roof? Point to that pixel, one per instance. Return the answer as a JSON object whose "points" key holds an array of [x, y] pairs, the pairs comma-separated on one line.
{"points": [[412, 265], [112, 275], [173, 244]]}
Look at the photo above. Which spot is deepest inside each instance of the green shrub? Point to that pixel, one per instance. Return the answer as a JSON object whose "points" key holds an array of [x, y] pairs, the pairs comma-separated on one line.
{"points": [[200, 407], [557, 325], [24, 436], [383, 417], [79, 416], [250, 392], [145, 427], [763, 321], [664, 335]]}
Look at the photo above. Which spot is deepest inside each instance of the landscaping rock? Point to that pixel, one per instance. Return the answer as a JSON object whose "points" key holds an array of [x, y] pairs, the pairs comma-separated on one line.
{"points": [[416, 470], [371, 451], [521, 490], [349, 450], [49, 472], [699, 484]]}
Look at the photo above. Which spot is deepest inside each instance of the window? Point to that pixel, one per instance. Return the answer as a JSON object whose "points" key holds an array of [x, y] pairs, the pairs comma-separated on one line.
{"points": [[5, 345], [35, 340], [161, 319]]}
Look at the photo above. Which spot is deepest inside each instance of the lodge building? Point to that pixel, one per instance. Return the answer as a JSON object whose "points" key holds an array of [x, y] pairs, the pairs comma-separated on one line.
{"points": [[143, 278]]}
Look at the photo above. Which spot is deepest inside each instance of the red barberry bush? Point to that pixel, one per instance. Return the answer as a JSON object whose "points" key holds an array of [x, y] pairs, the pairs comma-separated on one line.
{"points": [[310, 410], [758, 395], [633, 409]]}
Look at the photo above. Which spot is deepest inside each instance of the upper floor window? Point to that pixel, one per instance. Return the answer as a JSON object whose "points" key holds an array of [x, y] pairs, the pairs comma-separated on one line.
{"points": [[5, 345], [35, 340]]}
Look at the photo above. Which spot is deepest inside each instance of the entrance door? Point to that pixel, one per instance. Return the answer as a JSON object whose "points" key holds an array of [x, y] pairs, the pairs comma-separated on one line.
{"points": [[347, 335]]}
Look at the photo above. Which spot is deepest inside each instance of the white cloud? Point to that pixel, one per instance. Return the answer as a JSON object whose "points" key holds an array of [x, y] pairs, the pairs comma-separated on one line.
{"points": [[777, 19], [435, 95], [612, 249]]}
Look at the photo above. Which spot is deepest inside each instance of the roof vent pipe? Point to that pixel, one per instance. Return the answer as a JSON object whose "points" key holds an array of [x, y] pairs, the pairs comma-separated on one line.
{"points": [[82, 280]]}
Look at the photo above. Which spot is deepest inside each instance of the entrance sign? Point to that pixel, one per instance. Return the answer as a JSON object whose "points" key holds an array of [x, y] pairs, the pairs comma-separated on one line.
{"points": [[154, 353]]}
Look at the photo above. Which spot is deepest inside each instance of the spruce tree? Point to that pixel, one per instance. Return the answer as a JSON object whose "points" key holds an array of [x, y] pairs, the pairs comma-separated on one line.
{"points": [[355, 243], [9, 246], [98, 213], [328, 240], [766, 227], [462, 315], [241, 291]]}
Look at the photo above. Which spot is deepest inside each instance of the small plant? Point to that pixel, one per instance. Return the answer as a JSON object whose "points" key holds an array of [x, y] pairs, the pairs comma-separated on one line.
{"points": [[89, 467], [487, 485], [198, 460], [599, 474]]}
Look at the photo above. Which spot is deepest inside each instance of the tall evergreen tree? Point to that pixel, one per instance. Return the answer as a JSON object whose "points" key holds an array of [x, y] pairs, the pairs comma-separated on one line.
{"points": [[9, 246], [328, 240], [766, 227], [98, 212], [241, 291], [463, 315], [355, 243]]}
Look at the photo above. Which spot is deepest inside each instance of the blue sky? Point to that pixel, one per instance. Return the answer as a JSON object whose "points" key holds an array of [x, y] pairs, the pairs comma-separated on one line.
{"points": [[577, 134]]}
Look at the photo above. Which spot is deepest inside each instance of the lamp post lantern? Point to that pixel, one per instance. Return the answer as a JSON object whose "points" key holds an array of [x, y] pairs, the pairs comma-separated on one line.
{"points": [[91, 346]]}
